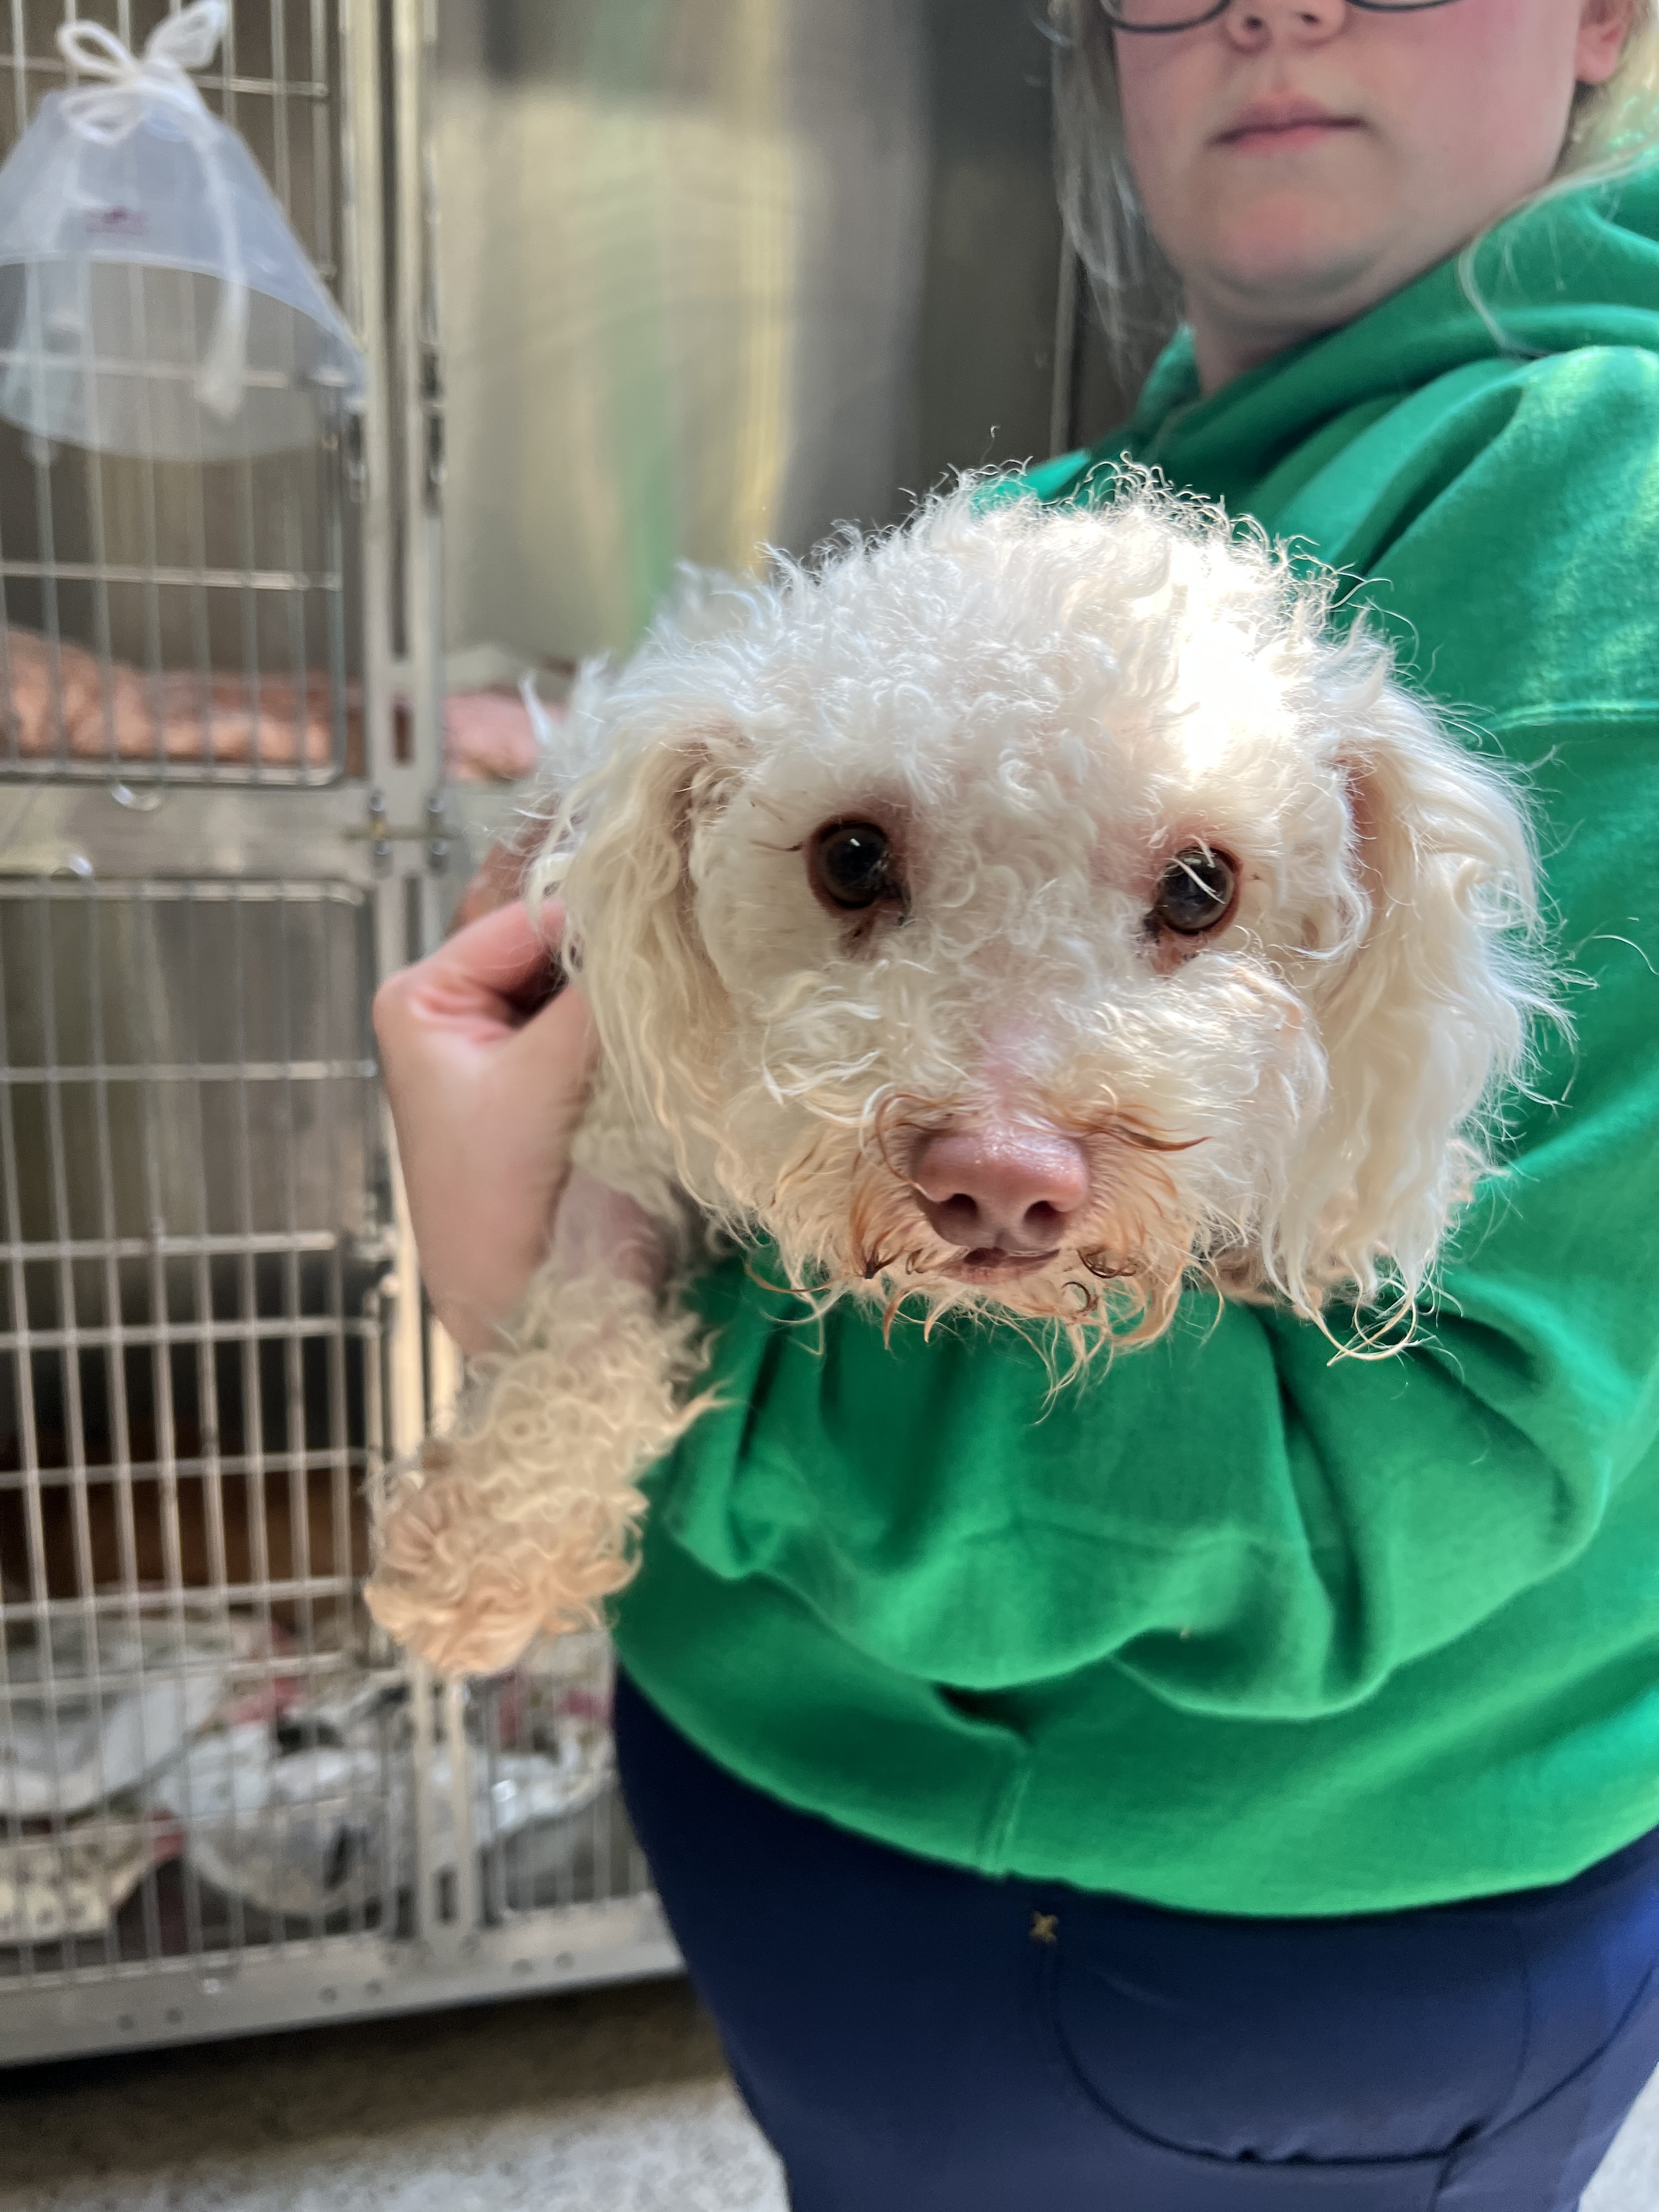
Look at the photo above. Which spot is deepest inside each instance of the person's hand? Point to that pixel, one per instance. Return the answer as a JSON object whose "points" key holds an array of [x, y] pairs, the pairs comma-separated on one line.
{"points": [[486, 1072]]}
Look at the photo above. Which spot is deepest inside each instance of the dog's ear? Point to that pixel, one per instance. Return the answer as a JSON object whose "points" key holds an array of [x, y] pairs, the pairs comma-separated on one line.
{"points": [[621, 859], [1427, 1014]]}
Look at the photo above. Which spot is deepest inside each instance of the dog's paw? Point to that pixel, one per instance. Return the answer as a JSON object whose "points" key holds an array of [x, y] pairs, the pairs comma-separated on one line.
{"points": [[463, 1610], [469, 1594]]}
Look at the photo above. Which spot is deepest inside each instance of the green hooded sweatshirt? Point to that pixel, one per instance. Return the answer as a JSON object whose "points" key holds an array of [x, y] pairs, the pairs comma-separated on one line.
{"points": [[1232, 1627]]}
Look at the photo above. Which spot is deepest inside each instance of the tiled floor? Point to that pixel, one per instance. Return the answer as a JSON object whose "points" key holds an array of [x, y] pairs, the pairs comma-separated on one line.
{"points": [[613, 2101]]}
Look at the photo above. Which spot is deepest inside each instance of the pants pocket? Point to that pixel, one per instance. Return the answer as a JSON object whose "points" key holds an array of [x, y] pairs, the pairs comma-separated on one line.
{"points": [[1156, 2164], [1543, 2160]]}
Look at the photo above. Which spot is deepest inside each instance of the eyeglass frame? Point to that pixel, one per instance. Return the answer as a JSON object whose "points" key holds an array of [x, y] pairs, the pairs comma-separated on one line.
{"points": [[1214, 15]]}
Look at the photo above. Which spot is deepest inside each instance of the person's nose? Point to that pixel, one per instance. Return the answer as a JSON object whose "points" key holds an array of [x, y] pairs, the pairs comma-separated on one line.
{"points": [[1014, 1190], [1253, 24]]}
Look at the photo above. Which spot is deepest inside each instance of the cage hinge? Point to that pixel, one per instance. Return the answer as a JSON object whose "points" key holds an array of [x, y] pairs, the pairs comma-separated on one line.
{"points": [[380, 832]]}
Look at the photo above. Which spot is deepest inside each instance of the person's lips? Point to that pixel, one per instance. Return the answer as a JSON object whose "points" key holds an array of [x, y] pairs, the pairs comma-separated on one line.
{"points": [[1282, 125]]}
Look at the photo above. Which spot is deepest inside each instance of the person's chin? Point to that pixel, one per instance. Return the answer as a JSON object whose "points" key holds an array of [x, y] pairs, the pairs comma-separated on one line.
{"points": [[1288, 253]]}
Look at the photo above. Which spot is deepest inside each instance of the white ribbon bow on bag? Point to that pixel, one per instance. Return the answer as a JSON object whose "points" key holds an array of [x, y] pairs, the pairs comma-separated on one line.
{"points": [[112, 107]]}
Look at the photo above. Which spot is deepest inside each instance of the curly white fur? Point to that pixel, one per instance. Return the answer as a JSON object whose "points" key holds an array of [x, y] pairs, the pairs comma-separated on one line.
{"points": [[1039, 709]]}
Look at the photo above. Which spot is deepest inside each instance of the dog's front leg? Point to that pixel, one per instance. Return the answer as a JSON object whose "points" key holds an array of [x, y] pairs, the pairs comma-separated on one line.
{"points": [[523, 1521]]}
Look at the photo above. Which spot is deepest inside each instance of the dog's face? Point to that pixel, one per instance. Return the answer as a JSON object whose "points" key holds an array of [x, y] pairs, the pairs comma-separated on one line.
{"points": [[1019, 998], [1033, 932]]}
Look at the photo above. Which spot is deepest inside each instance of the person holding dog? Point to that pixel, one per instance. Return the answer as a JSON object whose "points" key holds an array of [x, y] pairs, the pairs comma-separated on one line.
{"points": [[1234, 1786]]}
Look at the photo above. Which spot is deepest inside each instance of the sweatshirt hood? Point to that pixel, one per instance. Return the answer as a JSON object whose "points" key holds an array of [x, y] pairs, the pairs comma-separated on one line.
{"points": [[1579, 270]]}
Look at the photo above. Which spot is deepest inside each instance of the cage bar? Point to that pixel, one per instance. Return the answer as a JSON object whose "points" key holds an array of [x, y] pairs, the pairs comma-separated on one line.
{"points": [[226, 1801]]}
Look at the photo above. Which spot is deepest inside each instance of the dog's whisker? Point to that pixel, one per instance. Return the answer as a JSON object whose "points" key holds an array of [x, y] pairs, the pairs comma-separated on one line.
{"points": [[1108, 1271]]}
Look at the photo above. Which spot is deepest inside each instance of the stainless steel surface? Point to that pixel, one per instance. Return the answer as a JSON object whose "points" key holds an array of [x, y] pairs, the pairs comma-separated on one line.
{"points": [[351, 1977], [215, 601], [211, 1336], [722, 271], [206, 1041], [709, 272], [85, 829]]}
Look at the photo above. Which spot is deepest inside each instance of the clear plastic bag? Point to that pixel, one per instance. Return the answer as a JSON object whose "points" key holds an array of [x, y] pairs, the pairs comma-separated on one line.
{"points": [[153, 299]]}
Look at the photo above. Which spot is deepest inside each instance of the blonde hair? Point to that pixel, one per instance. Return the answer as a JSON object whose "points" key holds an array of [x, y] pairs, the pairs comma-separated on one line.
{"points": [[1614, 131]]}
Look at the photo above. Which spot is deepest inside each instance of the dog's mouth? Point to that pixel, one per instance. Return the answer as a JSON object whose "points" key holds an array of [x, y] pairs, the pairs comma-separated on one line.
{"points": [[989, 1263]]}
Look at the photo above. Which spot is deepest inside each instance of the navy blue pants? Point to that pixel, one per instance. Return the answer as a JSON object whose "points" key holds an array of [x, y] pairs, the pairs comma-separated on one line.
{"points": [[913, 2038]]}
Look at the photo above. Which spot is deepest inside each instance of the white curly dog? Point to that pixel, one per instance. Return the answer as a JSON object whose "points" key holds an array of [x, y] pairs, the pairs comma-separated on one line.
{"points": [[1031, 911]]}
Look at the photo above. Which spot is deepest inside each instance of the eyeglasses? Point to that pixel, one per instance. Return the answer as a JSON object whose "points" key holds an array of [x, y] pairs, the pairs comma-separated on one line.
{"points": [[1178, 15]]}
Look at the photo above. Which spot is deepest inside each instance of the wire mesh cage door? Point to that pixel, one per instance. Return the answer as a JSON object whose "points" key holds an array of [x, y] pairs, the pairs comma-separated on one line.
{"points": [[225, 1802], [171, 619]]}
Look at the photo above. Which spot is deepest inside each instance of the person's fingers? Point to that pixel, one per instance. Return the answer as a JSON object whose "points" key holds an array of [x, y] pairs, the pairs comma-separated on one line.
{"points": [[502, 949], [486, 1053], [496, 970], [553, 1053]]}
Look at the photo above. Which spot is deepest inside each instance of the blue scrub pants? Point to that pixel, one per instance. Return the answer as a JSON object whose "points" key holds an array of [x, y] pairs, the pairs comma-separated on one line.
{"points": [[913, 2037]]}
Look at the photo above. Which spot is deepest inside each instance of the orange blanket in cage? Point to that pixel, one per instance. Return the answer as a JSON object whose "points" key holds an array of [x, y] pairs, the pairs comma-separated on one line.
{"points": [[61, 699]]}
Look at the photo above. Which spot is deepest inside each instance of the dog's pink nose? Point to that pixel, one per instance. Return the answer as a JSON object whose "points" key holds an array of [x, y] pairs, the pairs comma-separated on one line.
{"points": [[1013, 1189]]}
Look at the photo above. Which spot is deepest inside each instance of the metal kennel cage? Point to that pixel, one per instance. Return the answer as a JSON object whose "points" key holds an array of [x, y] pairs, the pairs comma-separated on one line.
{"points": [[225, 1802]]}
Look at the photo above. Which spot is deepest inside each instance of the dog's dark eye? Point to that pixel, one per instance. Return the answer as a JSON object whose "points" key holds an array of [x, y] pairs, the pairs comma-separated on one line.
{"points": [[1196, 892], [854, 866]]}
